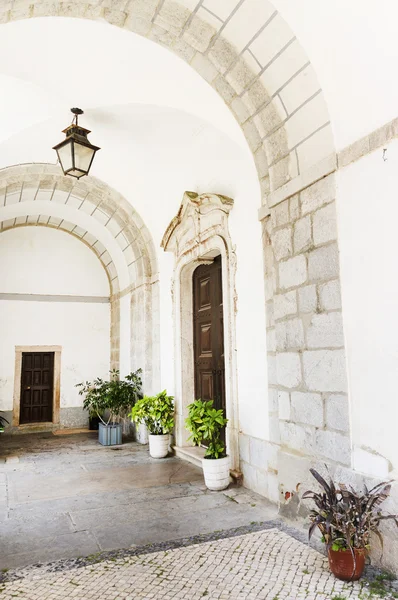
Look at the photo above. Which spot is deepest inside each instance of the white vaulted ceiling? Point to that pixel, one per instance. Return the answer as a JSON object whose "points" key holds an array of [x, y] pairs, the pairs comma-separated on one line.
{"points": [[300, 79]]}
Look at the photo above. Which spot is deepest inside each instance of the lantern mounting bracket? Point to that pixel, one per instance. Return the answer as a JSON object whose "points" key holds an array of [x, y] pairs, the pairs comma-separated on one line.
{"points": [[76, 112]]}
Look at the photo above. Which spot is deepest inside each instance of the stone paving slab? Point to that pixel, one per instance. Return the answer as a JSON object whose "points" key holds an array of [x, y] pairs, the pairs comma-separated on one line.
{"points": [[68, 496], [266, 564]]}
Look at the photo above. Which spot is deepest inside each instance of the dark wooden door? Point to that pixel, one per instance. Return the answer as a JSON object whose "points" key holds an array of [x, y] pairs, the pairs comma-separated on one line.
{"points": [[209, 334], [37, 387]]}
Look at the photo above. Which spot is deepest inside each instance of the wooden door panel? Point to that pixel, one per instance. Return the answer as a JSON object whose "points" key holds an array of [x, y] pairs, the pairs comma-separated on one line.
{"points": [[35, 414], [206, 385], [37, 380], [205, 340], [209, 333], [204, 294], [27, 377], [36, 397]]}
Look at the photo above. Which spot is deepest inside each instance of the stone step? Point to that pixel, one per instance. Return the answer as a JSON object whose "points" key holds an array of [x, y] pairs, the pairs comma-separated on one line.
{"points": [[193, 454]]}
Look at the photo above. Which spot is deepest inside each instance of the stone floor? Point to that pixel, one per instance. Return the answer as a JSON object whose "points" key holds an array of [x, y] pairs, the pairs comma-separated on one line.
{"points": [[67, 496], [144, 529]]}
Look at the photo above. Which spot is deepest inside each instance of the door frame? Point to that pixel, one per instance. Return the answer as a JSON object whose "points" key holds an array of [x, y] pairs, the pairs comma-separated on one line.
{"points": [[197, 235], [19, 350]]}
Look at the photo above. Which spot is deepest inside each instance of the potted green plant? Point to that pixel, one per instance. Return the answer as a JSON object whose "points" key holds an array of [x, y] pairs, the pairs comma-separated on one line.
{"points": [[93, 420], [346, 520], [3, 422], [205, 423], [113, 398], [157, 412]]}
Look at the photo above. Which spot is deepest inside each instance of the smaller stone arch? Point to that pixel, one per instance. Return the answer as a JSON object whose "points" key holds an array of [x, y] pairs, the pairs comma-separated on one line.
{"points": [[40, 195], [44, 182]]}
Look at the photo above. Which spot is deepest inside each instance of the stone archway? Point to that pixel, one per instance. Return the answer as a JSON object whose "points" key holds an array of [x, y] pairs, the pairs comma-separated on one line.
{"points": [[247, 53], [252, 59], [39, 195]]}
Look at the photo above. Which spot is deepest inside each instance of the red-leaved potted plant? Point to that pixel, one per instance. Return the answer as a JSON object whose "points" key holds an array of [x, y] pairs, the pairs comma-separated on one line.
{"points": [[346, 519]]}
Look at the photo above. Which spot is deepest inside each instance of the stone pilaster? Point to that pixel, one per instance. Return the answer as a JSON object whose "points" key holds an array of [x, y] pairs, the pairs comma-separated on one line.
{"points": [[308, 402], [115, 333]]}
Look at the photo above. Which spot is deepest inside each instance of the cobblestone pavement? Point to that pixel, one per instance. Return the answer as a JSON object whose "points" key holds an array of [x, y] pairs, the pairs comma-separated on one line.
{"points": [[265, 564]]}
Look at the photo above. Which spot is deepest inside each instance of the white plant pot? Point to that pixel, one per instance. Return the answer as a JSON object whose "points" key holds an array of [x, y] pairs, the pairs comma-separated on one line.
{"points": [[141, 433], [159, 445], [216, 473]]}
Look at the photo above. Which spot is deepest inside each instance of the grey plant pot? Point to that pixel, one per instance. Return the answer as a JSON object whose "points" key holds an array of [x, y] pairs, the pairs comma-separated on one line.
{"points": [[110, 435]]}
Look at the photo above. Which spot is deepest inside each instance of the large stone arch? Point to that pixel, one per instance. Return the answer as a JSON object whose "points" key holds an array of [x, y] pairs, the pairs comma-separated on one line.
{"points": [[247, 53], [250, 56], [39, 195]]}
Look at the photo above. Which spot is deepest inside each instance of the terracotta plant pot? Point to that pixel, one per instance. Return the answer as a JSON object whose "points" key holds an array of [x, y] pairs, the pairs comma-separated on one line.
{"points": [[342, 565]]}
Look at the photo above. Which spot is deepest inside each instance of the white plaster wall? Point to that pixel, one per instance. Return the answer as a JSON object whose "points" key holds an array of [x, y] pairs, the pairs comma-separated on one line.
{"points": [[41, 260], [81, 329], [36, 260], [166, 266], [250, 316], [367, 219]]}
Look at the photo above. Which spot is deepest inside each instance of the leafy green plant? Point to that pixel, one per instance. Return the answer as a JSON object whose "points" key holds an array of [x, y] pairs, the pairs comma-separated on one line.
{"points": [[205, 424], [113, 397], [3, 422], [345, 517], [157, 412]]}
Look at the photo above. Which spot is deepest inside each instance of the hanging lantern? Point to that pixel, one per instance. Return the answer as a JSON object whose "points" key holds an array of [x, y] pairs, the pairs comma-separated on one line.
{"points": [[75, 153]]}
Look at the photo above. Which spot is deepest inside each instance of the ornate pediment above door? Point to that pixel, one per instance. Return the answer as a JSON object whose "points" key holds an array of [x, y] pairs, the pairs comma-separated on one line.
{"points": [[199, 218]]}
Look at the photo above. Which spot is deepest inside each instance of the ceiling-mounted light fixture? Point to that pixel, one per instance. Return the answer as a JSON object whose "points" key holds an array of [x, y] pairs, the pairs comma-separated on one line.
{"points": [[75, 153]]}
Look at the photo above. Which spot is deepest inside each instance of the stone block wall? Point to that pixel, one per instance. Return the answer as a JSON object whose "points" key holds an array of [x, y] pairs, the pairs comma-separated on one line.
{"points": [[308, 402], [305, 324]]}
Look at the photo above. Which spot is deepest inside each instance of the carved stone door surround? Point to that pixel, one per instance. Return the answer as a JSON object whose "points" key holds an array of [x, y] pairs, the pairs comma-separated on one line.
{"points": [[197, 234]]}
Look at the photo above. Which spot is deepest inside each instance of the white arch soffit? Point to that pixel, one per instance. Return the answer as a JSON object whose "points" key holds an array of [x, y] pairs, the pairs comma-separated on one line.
{"points": [[91, 211], [247, 53], [24, 214]]}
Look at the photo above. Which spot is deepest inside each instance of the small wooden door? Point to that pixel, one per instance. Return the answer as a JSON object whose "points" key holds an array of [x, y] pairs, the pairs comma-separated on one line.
{"points": [[37, 382], [209, 334]]}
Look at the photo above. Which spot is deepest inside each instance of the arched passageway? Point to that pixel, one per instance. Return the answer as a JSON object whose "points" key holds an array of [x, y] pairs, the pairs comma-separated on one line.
{"points": [[295, 411], [37, 196], [266, 80]]}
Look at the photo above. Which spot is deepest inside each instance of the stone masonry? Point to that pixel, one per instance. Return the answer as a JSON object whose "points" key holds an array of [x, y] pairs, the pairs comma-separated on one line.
{"points": [[308, 403]]}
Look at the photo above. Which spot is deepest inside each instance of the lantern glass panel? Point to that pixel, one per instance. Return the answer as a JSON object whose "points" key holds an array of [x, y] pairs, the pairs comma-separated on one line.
{"points": [[65, 156], [83, 157]]}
